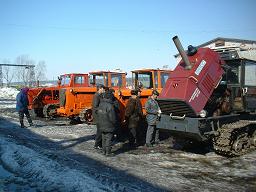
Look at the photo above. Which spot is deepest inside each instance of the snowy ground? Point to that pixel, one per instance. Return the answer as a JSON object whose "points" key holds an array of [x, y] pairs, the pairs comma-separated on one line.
{"points": [[55, 156]]}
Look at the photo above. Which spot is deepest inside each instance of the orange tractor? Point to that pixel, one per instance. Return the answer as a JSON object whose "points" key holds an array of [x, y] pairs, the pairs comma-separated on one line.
{"points": [[44, 100], [77, 101]]}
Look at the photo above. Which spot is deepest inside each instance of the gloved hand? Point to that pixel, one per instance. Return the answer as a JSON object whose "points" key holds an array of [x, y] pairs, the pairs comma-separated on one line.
{"points": [[159, 112]]}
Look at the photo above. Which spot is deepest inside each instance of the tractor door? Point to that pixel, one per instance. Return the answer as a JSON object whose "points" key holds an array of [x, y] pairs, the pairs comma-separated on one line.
{"points": [[249, 85], [234, 83]]}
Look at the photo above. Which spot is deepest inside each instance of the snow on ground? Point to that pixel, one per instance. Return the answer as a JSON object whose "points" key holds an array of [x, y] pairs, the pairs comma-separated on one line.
{"points": [[8, 93], [46, 173], [54, 156]]}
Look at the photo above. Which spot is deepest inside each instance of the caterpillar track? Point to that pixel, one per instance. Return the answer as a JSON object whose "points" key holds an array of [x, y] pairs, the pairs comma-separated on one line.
{"points": [[49, 110], [236, 138]]}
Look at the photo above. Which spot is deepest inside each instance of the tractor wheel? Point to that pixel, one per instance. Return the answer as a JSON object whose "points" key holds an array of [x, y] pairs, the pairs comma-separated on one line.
{"points": [[49, 110], [86, 115]]}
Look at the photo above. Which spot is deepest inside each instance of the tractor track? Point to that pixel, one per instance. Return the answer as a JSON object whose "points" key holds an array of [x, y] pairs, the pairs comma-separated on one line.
{"points": [[234, 139]]}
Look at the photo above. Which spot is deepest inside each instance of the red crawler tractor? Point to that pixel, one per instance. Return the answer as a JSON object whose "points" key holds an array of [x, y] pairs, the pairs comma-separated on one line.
{"points": [[211, 97]]}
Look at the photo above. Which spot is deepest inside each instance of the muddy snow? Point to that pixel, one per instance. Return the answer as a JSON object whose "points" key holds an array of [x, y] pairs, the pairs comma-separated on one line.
{"points": [[56, 156]]}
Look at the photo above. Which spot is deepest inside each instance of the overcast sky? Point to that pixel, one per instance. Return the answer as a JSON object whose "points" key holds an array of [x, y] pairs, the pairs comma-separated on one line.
{"points": [[82, 36]]}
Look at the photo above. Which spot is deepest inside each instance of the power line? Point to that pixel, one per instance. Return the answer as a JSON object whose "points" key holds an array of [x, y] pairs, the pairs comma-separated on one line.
{"points": [[111, 29]]}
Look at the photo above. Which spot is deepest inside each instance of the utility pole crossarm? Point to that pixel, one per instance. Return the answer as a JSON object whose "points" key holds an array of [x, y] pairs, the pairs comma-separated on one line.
{"points": [[15, 65], [30, 67]]}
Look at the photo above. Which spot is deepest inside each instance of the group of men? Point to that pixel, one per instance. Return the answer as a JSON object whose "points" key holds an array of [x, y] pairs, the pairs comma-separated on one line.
{"points": [[106, 110], [106, 115]]}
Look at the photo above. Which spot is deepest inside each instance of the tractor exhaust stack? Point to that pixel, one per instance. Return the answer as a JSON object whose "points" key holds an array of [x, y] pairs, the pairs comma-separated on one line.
{"points": [[182, 52]]}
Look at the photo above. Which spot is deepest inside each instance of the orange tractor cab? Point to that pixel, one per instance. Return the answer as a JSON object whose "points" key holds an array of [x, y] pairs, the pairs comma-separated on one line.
{"points": [[144, 80], [77, 101], [148, 79], [44, 100]]}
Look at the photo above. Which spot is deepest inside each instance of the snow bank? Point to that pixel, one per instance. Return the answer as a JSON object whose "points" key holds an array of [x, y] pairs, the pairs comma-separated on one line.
{"points": [[48, 85], [8, 93], [47, 174]]}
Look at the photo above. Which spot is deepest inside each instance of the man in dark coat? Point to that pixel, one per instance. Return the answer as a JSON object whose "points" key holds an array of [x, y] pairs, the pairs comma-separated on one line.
{"points": [[117, 112], [22, 106], [106, 121], [133, 115], [95, 104], [153, 112]]}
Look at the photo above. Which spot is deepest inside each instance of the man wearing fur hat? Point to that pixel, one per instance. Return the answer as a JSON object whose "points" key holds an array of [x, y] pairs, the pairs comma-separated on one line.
{"points": [[133, 115]]}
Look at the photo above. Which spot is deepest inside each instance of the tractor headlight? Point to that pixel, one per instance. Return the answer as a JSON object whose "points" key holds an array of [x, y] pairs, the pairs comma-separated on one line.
{"points": [[203, 113]]}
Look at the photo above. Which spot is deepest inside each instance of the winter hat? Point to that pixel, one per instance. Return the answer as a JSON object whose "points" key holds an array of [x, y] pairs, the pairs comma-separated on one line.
{"points": [[155, 92], [25, 89], [134, 92], [108, 95]]}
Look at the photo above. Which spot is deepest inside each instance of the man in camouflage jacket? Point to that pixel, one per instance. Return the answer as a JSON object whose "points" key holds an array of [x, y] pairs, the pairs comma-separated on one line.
{"points": [[153, 112]]}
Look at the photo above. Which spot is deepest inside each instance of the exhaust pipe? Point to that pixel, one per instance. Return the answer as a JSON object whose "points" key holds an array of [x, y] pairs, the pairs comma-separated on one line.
{"points": [[182, 52]]}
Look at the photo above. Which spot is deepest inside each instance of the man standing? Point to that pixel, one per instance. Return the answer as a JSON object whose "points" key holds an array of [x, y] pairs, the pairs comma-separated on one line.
{"points": [[22, 106], [133, 115], [153, 111], [107, 120], [95, 104]]}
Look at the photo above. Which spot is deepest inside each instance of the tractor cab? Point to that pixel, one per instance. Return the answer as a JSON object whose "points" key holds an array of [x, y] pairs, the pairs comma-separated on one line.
{"points": [[150, 78], [240, 80], [113, 79], [73, 80], [144, 80]]}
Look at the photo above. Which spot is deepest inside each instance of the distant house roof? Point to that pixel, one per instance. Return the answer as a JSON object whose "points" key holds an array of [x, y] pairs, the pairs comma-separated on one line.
{"points": [[227, 39], [223, 39]]}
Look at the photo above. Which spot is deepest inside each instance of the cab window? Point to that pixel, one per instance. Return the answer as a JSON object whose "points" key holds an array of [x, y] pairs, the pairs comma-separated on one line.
{"points": [[116, 80], [233, 74], [145, 80], [164, 77], [79, 80], [250, 74], [156, 79], [65, 80], [96, 79]]}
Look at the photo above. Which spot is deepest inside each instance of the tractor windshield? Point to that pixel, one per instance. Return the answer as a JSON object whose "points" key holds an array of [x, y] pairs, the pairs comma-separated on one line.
{"points": [[143, 80], [96, 79], [65, 80], [116, 80]]}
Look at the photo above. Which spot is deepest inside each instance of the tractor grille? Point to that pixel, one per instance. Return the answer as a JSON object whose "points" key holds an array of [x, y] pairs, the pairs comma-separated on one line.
{"points": [[176, 107]]}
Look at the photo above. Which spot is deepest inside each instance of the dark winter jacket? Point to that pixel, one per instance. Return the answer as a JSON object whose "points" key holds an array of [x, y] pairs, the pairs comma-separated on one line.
{"points": [[152, 109], [106, 115], [95, 104], [133, 112], [22, 100]]}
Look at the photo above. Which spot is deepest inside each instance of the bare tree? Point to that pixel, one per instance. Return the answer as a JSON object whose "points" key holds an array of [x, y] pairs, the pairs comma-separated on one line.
{"points": [[40, 71], [8, 73]]}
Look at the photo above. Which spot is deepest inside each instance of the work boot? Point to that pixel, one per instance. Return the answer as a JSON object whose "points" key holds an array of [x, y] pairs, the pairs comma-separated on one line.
{"points": [[22, 124], [30, 121], [98, 147], [149, 145], [108, 152]]}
